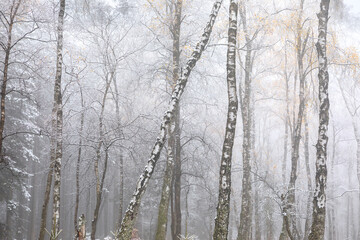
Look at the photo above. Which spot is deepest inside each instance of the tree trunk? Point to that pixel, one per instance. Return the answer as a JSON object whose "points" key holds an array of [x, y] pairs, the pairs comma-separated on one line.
{"points": [[166, 188], [59, 124], [244, 232], [290, 199], [176, 228], [177, 178], [309, 183], [287, 117], [121, 157], [100, 181], [223, 207], [133, 208], [173, 150], [77, 197], [319, 202]]}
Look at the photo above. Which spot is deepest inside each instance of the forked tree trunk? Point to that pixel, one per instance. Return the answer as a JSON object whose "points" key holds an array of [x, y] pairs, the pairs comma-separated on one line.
{"points": [[59, 125], [289, 209], [319, 202], [223, 207], [133, 208]]}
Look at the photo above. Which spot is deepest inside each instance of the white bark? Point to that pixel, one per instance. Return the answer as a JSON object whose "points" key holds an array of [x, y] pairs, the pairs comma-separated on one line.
{"points": [[133, 208], [319, 202]]}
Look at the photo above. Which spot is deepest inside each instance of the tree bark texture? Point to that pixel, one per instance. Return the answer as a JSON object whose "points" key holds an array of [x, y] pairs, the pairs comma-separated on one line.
{"points": [[77, 196], [173, 163], [166, 188], [176, 29], [223, 207], [132, 210], [59, 125], [319, 202], [244, 232], [121, 157], [309, 182]]}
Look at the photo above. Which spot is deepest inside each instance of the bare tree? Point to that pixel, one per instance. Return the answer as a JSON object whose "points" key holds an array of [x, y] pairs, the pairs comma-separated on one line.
{"points": [[133, 208], [223, 207], [319, 202], [173, 151]]}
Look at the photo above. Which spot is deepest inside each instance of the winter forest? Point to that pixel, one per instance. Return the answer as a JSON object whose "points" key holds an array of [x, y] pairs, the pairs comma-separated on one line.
{"points": [[180, 119]]}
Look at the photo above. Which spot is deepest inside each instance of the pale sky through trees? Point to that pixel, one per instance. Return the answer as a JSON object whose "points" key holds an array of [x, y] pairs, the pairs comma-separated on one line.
{"points": [[179, 119]]}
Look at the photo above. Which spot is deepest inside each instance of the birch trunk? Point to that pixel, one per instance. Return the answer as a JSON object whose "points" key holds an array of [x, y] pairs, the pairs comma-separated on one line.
{"points": [[133, 208], [59, 125], [166, 188], [244, 232], [223, 207], [77, 196], [319, 202]]}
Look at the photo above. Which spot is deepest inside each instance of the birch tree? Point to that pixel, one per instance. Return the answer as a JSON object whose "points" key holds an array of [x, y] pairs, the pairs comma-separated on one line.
{"points": [[133, 208], [319, 202], [59, 124], [223, 207]]}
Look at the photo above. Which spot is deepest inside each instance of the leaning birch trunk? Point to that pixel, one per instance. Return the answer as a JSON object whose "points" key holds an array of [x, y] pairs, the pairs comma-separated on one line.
{"points": [[319, 202], [223, 207], [173, 151], [59, 124], [166, 188], [133, 208], [244, 232]]}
